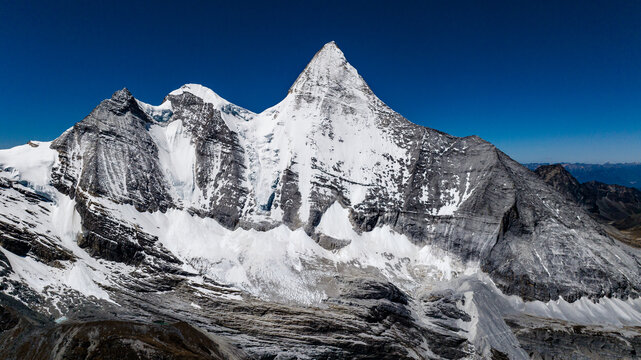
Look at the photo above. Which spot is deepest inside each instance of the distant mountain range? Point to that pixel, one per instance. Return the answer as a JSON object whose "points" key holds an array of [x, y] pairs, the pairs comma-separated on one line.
{"points": [[626, 174]]}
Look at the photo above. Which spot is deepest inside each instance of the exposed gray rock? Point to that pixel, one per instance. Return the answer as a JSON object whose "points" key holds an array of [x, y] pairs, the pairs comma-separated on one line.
{"points": [[548, 339], [330, 142], [21, 211], [329, 242], [217, 148], [111, 239], [618, 207], [27, 336], [460, 194], [610, 203], [110, 154]]}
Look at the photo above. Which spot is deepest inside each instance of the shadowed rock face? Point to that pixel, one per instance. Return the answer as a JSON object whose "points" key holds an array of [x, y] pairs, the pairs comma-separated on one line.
{"points": [[612, 202], [23, 337], [110, 154], [331, 163], [562, 181], [614, 205], [220, 160], [332, 138], [574, 341]]}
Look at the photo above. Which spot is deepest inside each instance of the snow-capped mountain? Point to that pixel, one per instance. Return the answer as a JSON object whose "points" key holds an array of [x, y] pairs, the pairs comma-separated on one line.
{"points": [[327, 226]]}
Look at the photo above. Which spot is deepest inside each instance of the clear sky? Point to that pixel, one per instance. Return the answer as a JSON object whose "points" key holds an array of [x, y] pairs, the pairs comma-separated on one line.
{"points": [[545, 81]]}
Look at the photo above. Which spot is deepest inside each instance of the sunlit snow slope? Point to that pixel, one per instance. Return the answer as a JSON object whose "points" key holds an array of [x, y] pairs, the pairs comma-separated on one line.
{"points": [[292, 204]]}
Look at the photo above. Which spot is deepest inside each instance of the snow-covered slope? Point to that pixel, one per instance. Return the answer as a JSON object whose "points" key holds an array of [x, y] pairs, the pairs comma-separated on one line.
{"points": [[328, 200]]}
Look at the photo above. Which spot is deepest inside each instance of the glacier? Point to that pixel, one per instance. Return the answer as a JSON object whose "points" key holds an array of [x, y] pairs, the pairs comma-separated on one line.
{"points": [[326, 226]]}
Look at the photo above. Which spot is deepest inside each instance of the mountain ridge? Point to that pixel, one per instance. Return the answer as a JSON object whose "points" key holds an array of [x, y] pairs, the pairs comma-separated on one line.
{"points": [[615, 206], [290, 163], [624, 174], [327, 203]]}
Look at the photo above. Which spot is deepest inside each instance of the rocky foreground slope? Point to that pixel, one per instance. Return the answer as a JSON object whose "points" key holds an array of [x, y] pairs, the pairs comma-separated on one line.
{"points": [[327, 226]]}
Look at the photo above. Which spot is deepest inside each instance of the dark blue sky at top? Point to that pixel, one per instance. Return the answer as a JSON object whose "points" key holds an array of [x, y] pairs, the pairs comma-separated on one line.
{"points": [[543, 80]]}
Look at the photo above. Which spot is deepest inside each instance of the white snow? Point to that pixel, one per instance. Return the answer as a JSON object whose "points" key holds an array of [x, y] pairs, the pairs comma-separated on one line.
{"points": [[316, 132], [202, 92], [320, 132], [195, 306], [60, 221], [41, 277], [606, 311], [327, 126], [29, 163], [83, 279], [335, 223], [32, 165], [177, 157], [284, 264], [452, 201]]}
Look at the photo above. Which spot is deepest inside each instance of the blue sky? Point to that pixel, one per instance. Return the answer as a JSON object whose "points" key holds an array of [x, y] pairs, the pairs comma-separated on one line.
{"points": [[544, 80]]}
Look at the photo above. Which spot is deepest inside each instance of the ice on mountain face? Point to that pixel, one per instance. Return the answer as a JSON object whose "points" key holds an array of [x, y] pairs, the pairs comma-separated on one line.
{"points": [[59, 221], [246, 200], [604, 311], [232, 114], [335, 223], [31, 162], [47, 279], [202, 92], [285, 265], [326, 127], [178, 160], [160, 113]]}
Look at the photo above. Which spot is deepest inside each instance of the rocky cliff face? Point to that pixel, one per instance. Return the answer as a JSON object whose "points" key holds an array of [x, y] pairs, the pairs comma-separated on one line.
{"points": [[407, 241], [332, 140], [110, 154], [617, 206]]}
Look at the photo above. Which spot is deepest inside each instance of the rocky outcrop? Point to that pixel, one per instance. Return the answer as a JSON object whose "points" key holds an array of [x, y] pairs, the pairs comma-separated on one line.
{"points": [[332, 140], [219, 158], [139, 203], [562, 181], [110, 154], [626, 174], [367, 319], [22, 210], [614, 205], [546, 339], [24, 335], [109, 238]]}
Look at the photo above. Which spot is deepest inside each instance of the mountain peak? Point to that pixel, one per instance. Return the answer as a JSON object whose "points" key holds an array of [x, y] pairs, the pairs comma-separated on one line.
{"points": [[328, 69], [203, 92], [121, 101], [122, 95], [561, 179], [330, 49]]}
